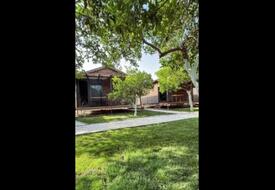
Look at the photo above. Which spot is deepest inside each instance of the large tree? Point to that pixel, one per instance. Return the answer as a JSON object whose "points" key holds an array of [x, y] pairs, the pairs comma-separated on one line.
{"points": [[107, 31], [135, 85], [172, 79]]}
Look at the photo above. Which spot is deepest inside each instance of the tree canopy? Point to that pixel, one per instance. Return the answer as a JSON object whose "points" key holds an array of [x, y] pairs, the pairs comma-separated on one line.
{"points": [[135, 84], [175, 62], [107, 31], [171, 79]]}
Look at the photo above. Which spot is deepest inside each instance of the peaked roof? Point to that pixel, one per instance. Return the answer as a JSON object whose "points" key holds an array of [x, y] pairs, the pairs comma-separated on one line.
{"points": [[104, 72], [104, 67]]}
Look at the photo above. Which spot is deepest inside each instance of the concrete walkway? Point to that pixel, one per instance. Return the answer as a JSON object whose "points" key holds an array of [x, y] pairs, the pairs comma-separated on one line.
{"points": [[165, 110], [98, 127], [78, 123]]}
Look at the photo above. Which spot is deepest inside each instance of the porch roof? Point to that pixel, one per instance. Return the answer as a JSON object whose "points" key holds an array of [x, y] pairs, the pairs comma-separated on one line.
{"points": [[104, 72]]}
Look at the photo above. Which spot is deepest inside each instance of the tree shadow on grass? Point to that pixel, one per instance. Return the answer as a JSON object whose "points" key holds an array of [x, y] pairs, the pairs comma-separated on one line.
{"points": [[180, 133], [167, 168], [161, 157]]}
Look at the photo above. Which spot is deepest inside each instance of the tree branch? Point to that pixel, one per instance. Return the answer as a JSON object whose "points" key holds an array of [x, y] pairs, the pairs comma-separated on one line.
{"points": [[162, 54], [152, 46], [170, 51], [161, 6]]}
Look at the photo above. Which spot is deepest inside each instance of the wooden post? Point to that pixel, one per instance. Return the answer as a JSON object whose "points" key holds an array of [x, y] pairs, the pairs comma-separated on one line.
{"points": [[111, 88], [88, 90]]}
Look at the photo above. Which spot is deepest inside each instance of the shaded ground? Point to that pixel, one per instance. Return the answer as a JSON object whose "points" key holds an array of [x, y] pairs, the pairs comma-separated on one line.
{"points": [[163, 156]]}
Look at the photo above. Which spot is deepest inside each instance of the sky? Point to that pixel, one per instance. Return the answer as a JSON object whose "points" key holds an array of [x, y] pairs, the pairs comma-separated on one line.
{"points": [[148, 63]]}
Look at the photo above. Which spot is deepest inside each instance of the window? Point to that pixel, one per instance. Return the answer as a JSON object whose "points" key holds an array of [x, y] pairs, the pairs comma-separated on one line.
{"points": [[96, 90]]}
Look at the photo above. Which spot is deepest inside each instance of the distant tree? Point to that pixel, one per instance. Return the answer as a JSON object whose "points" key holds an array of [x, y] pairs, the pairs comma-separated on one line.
{"points": [[175, 62], [79, 74], [135, 85], [172, 79]]}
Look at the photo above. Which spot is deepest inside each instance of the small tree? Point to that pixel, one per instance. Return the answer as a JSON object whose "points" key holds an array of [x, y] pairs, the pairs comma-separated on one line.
{"points": [[143, 83], [136, 84], [173, 79]]}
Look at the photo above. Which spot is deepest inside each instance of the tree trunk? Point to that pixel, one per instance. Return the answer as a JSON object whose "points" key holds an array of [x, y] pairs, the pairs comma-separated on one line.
{"points": [[197, 87], [76, 95], [192, 72], [167, 99], [190, 99], [141, 106], [135, 113]]}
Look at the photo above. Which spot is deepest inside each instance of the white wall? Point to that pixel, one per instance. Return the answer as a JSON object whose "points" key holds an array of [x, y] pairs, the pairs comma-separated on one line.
{"points": [[148, 100], [195, 95], [151, 98]]}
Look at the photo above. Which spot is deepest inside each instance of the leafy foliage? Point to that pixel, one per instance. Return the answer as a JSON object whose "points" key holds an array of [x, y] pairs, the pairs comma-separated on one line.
{"points": [[122, 91], [107, 31], [171, 79], [135, 84], [190, 66], [79, 74]]}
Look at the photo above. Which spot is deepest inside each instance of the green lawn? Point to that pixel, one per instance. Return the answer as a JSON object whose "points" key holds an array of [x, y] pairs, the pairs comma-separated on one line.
{"points": [[184, 109], [159, 157], [116, 116]]}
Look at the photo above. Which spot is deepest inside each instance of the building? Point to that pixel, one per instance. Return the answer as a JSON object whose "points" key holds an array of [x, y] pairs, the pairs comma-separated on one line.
{"points": [[93, 89], [155, 96]]}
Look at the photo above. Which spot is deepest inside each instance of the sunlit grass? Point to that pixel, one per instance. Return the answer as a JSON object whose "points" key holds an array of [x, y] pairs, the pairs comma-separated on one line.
{"points": [[116, 116], [163, 156]]}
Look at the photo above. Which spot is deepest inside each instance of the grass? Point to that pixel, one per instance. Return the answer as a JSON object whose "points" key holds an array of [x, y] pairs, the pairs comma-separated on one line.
{"points": [[116, 116], [185, 109], [160, 157]]}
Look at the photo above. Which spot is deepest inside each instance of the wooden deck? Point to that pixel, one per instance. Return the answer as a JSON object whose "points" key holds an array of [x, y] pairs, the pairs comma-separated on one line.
{"points": [[103, 107], [175, 104], [89, 110]]}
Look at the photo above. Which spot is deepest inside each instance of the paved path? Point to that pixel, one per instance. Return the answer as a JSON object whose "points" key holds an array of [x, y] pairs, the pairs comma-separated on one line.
{"points": [[78, 123], [164, 110], [97, 127]]}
